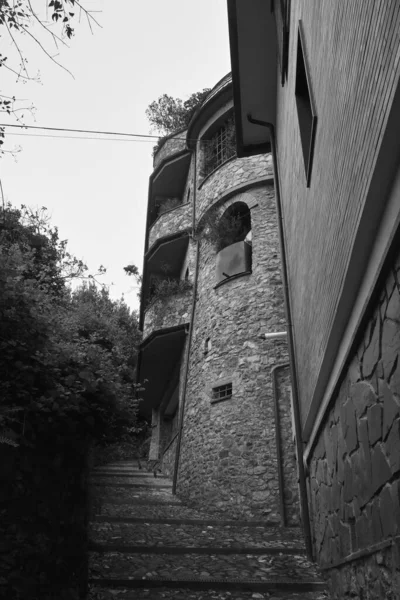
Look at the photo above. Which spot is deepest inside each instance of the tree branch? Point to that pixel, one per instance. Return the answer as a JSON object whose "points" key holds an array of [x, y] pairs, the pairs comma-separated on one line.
{"points": [[45, 51], [23, 66], [55, 37]]}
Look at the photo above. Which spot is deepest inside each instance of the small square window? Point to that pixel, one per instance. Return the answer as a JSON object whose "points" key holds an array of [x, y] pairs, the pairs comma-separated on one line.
{"points": [[305, 106], [222, 392]]}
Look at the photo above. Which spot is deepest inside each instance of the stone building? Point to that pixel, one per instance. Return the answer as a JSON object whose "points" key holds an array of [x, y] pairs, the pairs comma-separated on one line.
{"points": [[318, 83], [214, 358]]}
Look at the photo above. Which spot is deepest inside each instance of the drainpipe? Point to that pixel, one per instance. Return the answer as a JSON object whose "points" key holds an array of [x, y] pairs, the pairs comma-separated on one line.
{"points": [[278, 441], [189, 339], [293, 375]]}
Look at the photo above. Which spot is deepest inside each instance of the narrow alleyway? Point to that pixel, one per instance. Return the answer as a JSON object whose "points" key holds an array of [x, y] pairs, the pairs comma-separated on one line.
{"points": [[144, 543]]}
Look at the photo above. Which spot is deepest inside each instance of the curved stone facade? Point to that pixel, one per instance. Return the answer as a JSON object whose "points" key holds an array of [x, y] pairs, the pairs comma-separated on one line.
{"points": [[228, 447], [175, 220], [235, 172], [232, 443], [173, 145]]}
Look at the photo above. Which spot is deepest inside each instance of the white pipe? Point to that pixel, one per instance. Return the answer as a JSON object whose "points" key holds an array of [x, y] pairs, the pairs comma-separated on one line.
{"points": [[273, 335]]}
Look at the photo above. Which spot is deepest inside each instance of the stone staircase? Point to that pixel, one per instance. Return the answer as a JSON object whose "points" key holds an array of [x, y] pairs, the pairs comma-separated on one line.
{"points": [[145, 543]]}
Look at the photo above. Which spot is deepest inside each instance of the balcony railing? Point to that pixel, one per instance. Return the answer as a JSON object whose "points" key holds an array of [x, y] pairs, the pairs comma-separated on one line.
{"points": [[169, 308]]}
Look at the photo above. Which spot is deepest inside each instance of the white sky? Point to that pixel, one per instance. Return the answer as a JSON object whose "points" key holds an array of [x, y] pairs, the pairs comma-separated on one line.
{"points": [[96, 191]]}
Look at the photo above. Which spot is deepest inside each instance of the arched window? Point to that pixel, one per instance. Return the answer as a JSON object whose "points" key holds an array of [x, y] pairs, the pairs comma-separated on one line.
{"points": [[187, 274], [234, 225], [234, 242]]}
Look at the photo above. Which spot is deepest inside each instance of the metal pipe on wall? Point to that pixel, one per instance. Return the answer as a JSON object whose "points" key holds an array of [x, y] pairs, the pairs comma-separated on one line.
{"points": [[278, 441], [189, 339]]}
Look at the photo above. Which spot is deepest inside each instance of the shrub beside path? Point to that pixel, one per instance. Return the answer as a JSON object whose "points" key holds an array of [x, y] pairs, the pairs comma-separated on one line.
{"points": [[145, 543]]}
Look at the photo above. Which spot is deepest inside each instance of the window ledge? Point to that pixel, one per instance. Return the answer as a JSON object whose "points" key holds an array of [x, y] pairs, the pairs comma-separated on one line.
{"points": [[236, 276], [215, 170], [220, 400]]}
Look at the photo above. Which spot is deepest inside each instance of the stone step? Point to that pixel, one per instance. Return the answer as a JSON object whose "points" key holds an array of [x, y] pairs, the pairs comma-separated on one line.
{"points": [[164, 593], [121, 484], [147, 533], [127, 508], [200, 522], [286, 587], [193, 566], [179, 550], [145, 474]]}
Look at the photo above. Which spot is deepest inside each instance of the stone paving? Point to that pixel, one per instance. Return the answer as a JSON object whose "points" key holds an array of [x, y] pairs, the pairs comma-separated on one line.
{"points": [[144, 543]]}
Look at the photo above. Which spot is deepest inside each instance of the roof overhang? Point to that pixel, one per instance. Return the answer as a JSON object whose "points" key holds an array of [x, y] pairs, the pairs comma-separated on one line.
{"points": [[253, 43], [159, 354]]}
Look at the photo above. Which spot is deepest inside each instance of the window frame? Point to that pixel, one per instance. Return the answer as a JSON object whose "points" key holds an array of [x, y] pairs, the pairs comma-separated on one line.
{"points": [[220, 388], [305, 104], [282, 19], [219, 140]]}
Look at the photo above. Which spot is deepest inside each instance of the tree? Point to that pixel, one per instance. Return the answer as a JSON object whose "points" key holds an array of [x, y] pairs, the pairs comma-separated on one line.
{"points": [[67, 358], [168, 114], [19, 21]]}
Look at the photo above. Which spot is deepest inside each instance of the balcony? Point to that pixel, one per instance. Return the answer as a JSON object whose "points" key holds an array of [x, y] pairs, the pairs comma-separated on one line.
{"points": [[169, 147], [168, 311], [170, 222], [167, 186], [159, 356]]}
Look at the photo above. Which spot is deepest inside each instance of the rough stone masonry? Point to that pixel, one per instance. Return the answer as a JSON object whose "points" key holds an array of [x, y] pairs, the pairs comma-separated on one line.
{"points": [[355, 466]]}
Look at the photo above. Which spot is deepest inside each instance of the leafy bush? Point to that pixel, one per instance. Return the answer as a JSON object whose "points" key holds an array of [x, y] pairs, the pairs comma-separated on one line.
{"points": [[67, 358], [168, 114], [165, 288], [168, 204], [223, 231]]}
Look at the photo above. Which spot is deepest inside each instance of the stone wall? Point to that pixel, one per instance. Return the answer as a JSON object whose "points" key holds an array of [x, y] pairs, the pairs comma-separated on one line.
{"points": [[233, 173], [168, 312], [173, 221], [355, 466], [172, 146], [228, 451]]}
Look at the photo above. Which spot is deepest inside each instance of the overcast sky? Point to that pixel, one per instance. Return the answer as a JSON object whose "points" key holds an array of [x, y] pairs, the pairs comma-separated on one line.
{"points": [[96, 191]]}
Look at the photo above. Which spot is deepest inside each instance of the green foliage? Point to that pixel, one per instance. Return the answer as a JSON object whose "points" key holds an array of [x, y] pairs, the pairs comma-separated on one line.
{"points": [[168, 204], [67, 358], [163, 289], [223, 231], [167, 114]]}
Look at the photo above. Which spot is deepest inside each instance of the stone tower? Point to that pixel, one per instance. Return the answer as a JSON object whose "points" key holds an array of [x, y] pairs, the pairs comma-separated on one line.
{"points": [[214, 350]]}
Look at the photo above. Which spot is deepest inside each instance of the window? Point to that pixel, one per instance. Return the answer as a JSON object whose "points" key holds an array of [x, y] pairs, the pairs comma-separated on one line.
{"points": [[233, 243], [207, 346], [221, 392], [219, 147], [187, 274], [305, 106], [282, 17], [234, 225]]}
